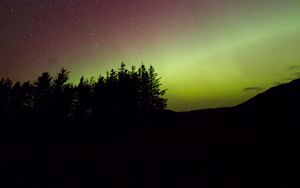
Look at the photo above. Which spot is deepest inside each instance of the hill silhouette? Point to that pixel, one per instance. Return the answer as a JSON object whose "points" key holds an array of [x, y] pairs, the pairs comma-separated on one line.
{"points": [[282, 99], [264, 129], [254, 144]]}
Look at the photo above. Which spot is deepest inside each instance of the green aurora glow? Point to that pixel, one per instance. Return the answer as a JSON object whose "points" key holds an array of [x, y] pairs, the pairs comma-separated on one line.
{"points": [[208, 66], [205, 54]]}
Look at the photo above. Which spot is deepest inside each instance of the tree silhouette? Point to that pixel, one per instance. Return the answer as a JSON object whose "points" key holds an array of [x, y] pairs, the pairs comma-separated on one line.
{"points": [[43, 83], [20, 101], [27, 95], [60, 82], [156, 101], [5, 93], [82, 98], [15, 101], [126, 90], [150, 95], [63, 95], [100, 97], [42, 94]]}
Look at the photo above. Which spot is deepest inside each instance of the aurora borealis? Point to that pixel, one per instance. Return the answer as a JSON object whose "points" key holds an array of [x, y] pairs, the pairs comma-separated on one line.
{"points": [[209, 53]]}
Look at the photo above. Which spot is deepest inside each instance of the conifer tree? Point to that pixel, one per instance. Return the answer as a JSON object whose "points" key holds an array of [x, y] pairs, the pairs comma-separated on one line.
{"points": [[63, 95], [82, 99], [42, 94], [5, 93]]}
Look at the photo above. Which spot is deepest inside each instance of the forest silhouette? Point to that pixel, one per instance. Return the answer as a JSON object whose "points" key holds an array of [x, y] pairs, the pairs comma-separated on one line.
{"points": [[121, 92]]}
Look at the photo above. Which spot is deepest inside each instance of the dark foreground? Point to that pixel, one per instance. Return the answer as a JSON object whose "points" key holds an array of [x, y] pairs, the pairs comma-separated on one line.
{"points": [[252, 145]]}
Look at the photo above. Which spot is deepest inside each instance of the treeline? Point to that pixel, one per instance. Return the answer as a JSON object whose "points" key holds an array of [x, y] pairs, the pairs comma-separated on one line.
{"points": [[121, 92]]}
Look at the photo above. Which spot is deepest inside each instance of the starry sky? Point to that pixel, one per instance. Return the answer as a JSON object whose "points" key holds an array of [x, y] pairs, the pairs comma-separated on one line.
{"points": [[209, 53]]}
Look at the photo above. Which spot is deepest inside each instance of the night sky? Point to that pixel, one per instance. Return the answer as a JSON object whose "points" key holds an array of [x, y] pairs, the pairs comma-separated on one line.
{"points": [[209, 53]]}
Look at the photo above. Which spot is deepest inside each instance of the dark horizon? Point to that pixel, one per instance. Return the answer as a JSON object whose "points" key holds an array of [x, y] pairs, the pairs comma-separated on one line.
{"points": [[90, 82]]}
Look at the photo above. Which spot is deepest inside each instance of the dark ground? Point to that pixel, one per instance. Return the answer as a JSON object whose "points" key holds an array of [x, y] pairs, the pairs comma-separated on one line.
{"points": [[251, 145]]}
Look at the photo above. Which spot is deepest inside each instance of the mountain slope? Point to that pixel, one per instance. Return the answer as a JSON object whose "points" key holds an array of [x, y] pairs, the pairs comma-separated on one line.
{"points": [[279, 102], [283, 99]]}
